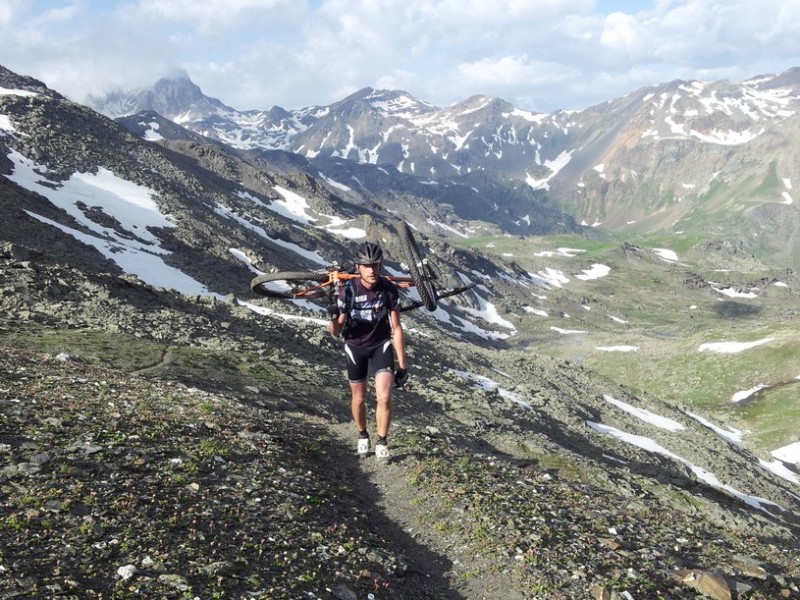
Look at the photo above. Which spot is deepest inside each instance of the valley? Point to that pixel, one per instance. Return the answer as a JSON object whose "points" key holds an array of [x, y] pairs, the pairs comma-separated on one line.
{"points": [[666, 327]]}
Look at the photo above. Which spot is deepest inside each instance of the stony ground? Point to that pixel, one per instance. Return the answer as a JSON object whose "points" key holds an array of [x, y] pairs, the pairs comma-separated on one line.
{"points": [[159, 474], [116, 486]]}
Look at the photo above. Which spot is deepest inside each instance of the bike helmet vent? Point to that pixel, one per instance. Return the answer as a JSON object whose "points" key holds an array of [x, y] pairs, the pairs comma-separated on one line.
{"points": [[368, 254]]}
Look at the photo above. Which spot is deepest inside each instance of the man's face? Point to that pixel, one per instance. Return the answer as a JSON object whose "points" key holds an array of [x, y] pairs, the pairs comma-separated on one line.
{"points": [[369, 273]]}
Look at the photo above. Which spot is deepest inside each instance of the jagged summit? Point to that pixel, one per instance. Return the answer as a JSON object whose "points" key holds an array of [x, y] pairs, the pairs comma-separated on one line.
{"points": [[388, 103], [174, 96]]}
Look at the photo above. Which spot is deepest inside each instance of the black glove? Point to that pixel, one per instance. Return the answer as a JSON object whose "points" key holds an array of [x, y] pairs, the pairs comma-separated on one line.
{"points": [[400, 377], [333, 312]]}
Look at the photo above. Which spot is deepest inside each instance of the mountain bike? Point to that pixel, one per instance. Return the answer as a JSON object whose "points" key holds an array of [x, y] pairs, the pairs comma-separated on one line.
{"points": [[301, 285]]}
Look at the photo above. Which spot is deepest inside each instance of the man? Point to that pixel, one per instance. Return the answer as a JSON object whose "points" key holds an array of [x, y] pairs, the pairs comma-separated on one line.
{"points": [[367, 315]]}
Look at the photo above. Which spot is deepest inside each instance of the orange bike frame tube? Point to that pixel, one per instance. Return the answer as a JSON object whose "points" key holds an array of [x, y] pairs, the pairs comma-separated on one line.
{"points": [[334, 277]]}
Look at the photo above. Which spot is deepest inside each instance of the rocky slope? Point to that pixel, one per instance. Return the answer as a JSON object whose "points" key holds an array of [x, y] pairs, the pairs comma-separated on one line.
{"points": [[163, 446]]}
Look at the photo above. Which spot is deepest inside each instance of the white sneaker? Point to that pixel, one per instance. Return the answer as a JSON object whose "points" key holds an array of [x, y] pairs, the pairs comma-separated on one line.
{"points": [[363, 446], [382, 452]]}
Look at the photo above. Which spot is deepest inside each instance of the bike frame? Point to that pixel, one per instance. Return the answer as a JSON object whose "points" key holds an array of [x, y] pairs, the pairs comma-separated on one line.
{"points": [[303, 285], [336, 277]]}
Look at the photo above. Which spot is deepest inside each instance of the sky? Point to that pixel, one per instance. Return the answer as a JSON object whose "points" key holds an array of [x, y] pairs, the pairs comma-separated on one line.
{"points": [[540, 55]]}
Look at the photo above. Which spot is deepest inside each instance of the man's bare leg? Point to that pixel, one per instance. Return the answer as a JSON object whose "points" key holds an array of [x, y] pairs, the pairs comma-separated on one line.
{"points": [[358, 404], [383, 394]]}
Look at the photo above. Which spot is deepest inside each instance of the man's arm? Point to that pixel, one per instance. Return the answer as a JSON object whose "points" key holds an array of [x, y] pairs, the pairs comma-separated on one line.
{"points": [[336, 325], [397, 339]]}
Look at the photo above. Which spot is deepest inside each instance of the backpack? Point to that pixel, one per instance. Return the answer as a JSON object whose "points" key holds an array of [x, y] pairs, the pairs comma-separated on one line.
{"points": [[350, 299]]}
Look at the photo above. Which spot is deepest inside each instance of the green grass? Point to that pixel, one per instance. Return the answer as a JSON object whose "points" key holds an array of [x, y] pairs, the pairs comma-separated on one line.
{"points": [[129, 353], [668, 321], [677, 371], [680, 243], [771, 184], [773, 416], [210, 447], [499, 245], [104, 348]]}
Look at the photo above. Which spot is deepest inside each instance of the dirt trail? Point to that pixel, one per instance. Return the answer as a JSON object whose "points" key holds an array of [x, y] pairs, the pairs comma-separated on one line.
{"points": [[161, 364], [438, 565]]}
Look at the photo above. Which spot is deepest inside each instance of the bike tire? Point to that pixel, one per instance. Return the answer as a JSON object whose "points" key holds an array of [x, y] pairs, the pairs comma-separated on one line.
{"points": [[418, 269], [303, 289]]}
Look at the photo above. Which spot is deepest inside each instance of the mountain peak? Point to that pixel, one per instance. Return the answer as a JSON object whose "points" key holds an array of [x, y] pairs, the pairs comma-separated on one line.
{"points": [[788, 78], [176, 74], [174, 96], [387, 103]]}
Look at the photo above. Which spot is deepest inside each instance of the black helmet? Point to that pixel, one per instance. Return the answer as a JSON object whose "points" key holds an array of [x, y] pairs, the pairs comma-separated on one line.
{"points": [[368, 254]]}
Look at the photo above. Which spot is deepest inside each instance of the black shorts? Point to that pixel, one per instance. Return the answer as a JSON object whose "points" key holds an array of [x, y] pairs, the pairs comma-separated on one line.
{"points": [[380, 358]]}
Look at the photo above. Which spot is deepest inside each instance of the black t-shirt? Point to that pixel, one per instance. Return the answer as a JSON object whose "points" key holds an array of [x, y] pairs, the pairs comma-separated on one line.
{"points": [[368, 323]]}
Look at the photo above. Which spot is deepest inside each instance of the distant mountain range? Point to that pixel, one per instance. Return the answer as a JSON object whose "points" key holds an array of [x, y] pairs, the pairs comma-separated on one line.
{"points": [[685, 158]]}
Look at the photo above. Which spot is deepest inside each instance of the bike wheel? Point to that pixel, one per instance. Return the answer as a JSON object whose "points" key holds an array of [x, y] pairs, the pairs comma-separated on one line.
{"points": [[418, 268], [290, 284]]}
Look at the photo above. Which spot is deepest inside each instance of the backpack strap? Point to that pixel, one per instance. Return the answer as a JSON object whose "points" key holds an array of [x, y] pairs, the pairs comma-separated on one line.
{"points": [[386, 307], [349, 300], [349, 295]]}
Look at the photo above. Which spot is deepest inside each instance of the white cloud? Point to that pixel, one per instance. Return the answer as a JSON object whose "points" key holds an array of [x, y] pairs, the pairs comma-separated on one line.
{"points": [[9, 10], [621, 32], [507, 71], [538, 54], [207, 14]]}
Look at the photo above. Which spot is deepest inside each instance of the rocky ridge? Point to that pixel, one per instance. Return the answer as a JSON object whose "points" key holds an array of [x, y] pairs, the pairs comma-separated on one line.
{"points": [[163, 446]]}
